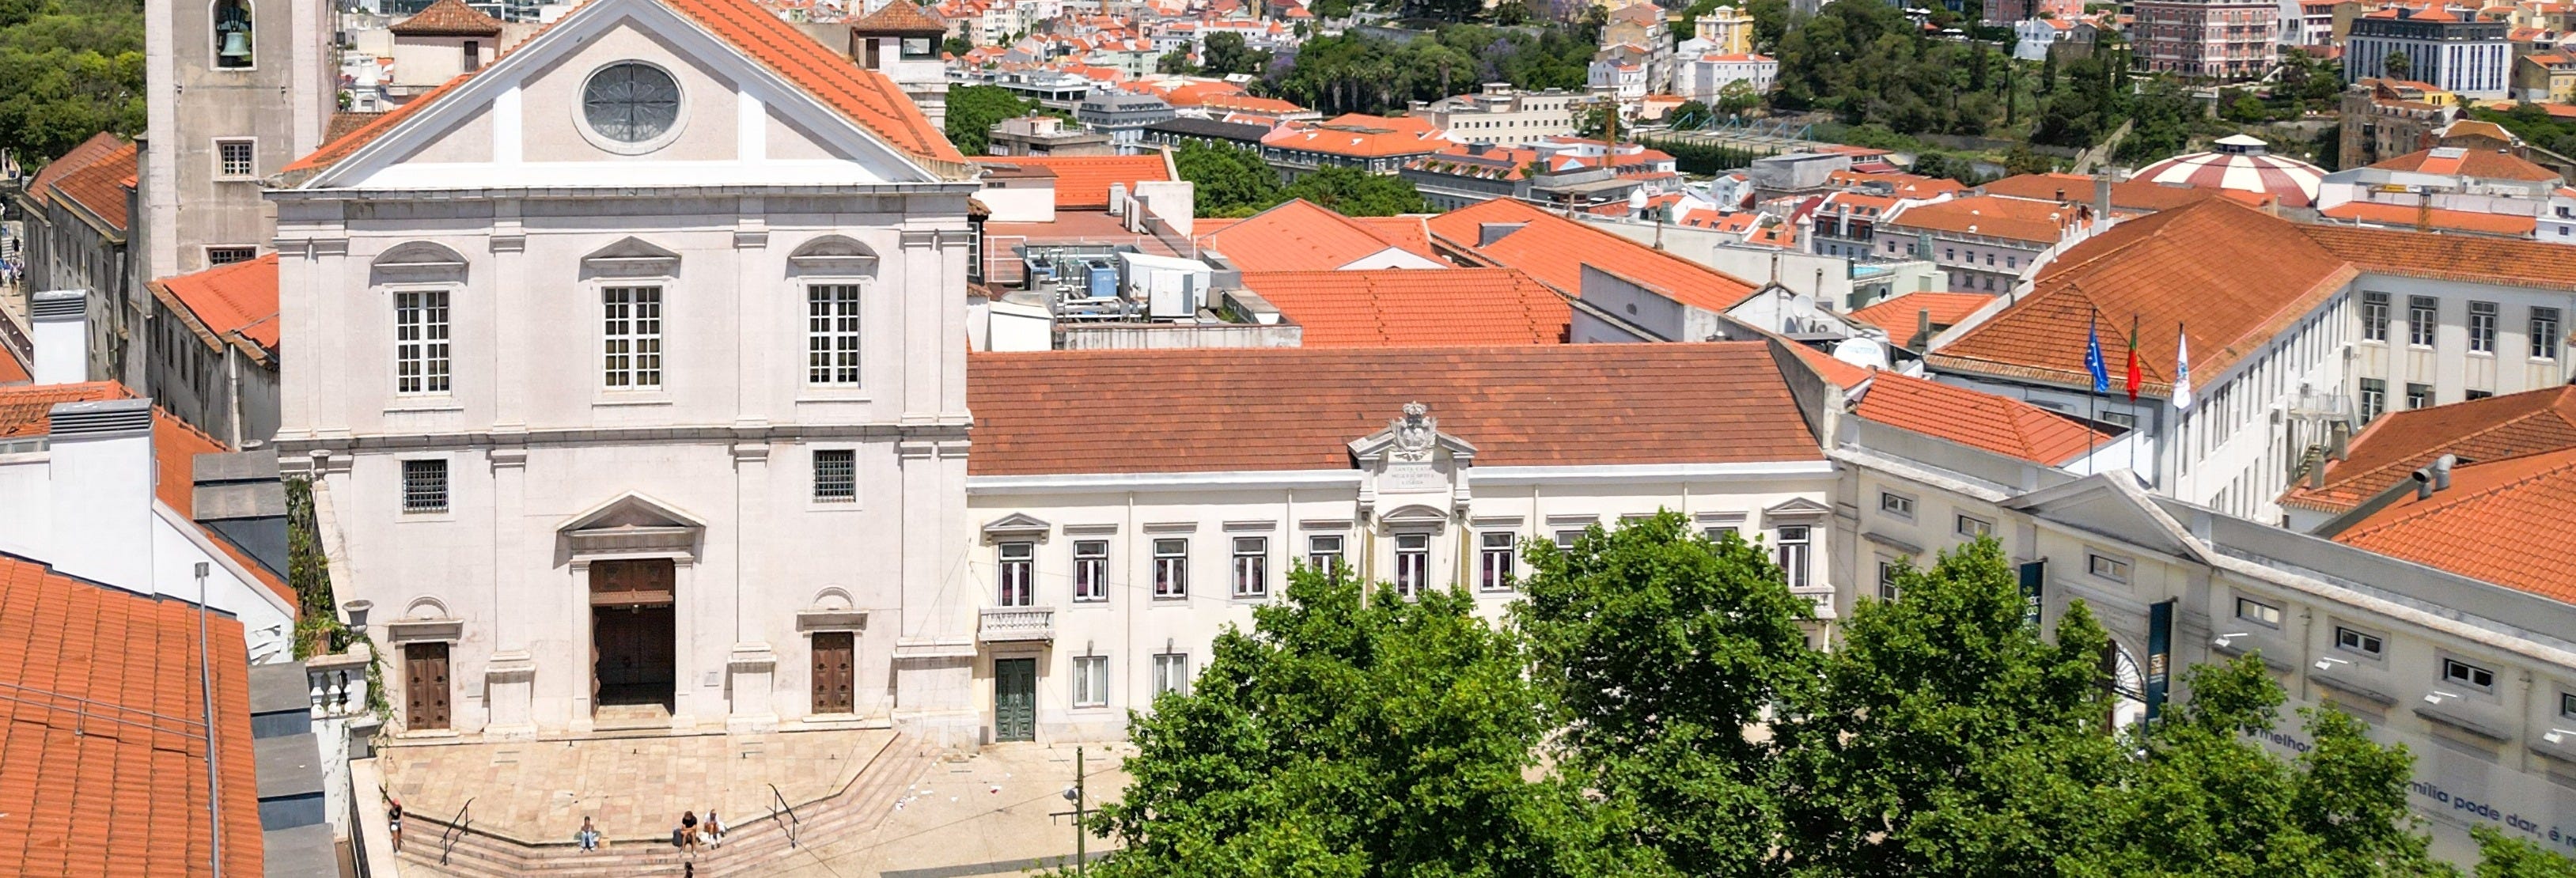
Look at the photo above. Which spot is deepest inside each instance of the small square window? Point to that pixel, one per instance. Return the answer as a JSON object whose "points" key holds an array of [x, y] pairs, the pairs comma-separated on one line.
{"points": [[2465, 674], [2350, 640], [2107, 567], [1172, 673], [1565, 539], [424, 485], [1091, 681], [1972, 526], [836, 475], [1324, 552], [230, 255], [2567, 704], [1719, 532], [2258, 612], [236, 159], [1896, 504]]}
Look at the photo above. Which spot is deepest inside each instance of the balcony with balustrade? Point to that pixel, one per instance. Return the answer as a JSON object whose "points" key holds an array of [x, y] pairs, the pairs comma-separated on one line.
{"points": [[1016, 624]]}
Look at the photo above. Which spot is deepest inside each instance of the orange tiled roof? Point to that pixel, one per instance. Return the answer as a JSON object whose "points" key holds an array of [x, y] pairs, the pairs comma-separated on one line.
{"points": [[102, 747], [89, 152], [2483, 163], [2449, 257], [1396, 307], [26, 410], [12, 371], [2144, 196], [1555, 250], [228, 299], [1239, 102], [1842, 374], [864, 96], [1300, 235], [1359, 134], [2533, 498], [101, 186], [1976, 419], [2399, 443], [448, 18], [1896, 314], [1257, 409], [1991, 216], [2400, 215], [899, 17], [1082, 181]]}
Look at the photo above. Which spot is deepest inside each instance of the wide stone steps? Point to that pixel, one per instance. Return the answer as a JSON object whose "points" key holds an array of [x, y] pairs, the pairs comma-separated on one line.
{"points": [[752, 846]]}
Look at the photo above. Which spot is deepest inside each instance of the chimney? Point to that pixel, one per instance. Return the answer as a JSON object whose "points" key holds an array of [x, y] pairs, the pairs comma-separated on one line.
{"points": [[61, 319], [1922, 329], [101, 469], [2102, 196], [2339, 443]]}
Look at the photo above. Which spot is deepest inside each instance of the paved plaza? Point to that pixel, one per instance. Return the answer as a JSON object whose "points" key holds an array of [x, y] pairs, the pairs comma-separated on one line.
{"points": [[985, 814]]}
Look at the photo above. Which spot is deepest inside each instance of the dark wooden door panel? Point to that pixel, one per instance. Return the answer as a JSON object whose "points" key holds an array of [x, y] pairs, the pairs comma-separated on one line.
{"points": [[425, 685], [833, 676]]}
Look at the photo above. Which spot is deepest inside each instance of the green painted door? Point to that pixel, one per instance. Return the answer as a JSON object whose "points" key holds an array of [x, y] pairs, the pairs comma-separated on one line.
{"points": [[1015, 699]]}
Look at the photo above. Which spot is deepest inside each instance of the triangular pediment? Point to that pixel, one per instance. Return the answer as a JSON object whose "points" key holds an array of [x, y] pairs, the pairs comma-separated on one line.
{"points": [[630, 511], [2112, 505]]}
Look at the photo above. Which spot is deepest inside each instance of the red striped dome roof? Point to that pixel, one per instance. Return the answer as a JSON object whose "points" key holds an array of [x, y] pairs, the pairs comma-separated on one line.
{"points": [[2240, 163]]}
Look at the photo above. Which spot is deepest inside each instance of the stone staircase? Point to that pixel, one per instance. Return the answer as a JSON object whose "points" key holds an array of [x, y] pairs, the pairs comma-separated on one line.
{"points": [[752, 847]]}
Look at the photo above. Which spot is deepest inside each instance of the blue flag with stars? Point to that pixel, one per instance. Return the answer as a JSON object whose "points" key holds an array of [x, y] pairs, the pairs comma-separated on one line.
{"points": [[2093, 357]]}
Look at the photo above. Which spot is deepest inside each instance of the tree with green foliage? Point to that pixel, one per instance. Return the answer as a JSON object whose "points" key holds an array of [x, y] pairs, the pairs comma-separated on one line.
{"points": [[1356, 732], [1868, 63], [68, 70], [1353, 73], [1738, 98], [1225, 54], [1353, 192], [2398, 66], [1665, 650], [957, 45], [973, 110], [2505, 856], [1227, 181], [1177, 61]]}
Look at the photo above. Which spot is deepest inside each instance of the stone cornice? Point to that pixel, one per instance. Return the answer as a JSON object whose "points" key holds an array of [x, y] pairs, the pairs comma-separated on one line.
{"points": [[943, 435], [960, 187]]}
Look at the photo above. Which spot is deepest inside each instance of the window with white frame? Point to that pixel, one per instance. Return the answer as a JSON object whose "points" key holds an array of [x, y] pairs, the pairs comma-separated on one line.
{"points": [[2374, 316], [1412, 563], [2258, 612], [2421, 315], [424, 484], [2418, 395], [420, 341], [2544, 333], [631, 337], [2482, 327], [2107, 567], [1972, 526], [1172, 673], [2374, 399], [2465, 674], [1897, 505], [2350, 640], [832, 334], [236, 159], [1251, 567], [836, 475], [1324, 553], [1172, 568], [1565, 539], [1794, 548], [1719, 532], [1887, 573], [1495, 561], [1091, 681], [1090, 570], [1015, 574]]}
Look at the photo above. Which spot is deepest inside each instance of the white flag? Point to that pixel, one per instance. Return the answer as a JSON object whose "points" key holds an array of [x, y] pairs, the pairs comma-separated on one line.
{"points": [[2182, 371]]}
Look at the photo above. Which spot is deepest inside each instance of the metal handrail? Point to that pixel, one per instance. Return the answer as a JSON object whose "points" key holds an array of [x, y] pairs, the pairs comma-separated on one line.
{"points": [[454, 832], [789, 822]]}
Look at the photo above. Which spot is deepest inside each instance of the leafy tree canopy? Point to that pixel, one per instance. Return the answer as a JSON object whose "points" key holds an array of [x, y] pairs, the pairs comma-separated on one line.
{"points": [[973, 110], [68, 69]]}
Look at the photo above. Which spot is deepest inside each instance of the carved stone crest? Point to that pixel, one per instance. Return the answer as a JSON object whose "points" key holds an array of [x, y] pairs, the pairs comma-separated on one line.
{"points": [[1415, 434]]}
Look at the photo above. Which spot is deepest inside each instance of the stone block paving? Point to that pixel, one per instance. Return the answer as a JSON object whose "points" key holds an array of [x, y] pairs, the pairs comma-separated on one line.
{"points": [[991, 813], [633, 789]]}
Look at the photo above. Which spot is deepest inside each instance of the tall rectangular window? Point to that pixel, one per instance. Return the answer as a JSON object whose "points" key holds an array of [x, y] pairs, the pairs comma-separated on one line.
{"points": [[1495, 564], [420, 341], [2421, 315], [631, 337], [836, 475], [424, 484], [1090, 570], [1171, 568], [2374, 316], [236, 159], [2374, 398], [1015, 574], [1251, 567], [1324, 552], [1091, 681], [2544, 333], [473, 55], [1412, 563], [832, 334], [1887, 571], [1172, 673], [2482, 327], [1793, 554]]}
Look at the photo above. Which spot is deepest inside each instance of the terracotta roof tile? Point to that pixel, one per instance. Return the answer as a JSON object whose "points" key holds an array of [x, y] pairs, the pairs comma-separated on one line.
{"points": [[1399, 307], [1359, 134], [448, 18], [11, 370], [1992, 216], [1976, 419], [2451, 257], [2372, 213], [100, 187], [1897, 314], [2399, 443], [1554, 249], [2483, 163], [102, 747], [26, 410], [344, 122], [900, 17], [1082, 181], [2142, 196], [2533, 498], [228, 299], [1065, 412], [1299, 235], [88, 152]]}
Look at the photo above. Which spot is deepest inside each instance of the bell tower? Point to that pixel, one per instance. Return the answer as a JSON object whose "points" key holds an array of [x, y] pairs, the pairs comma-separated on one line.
{"points": [[902, 41], [234, 89]]}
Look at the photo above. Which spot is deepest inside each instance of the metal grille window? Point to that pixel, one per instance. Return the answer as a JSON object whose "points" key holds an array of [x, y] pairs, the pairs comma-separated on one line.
{"points": [[2421, 315], [832, 334], [424, 485], [236, 159], [1171, 568], [2374, 398], [1793, 554], [1251, 567], [836, 474], [1412, 563], [1091, 681], [2544, 333], [1172, 673], [1091, 570], [420, 341], [230, 255], [1015, 574], [1324, 553], [632, 336], [1496, 564], [2374, 317], [2482, 327], [630, 102]]}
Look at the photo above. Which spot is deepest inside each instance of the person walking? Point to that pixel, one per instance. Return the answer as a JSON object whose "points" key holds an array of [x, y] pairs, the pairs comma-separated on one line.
{"points": [[715, 830], [588, 836], [393, 821], [689, 830]]}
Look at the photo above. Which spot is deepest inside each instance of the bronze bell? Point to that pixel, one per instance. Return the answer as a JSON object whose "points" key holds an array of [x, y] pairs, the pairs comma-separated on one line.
{"points": [[236, 46]]}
